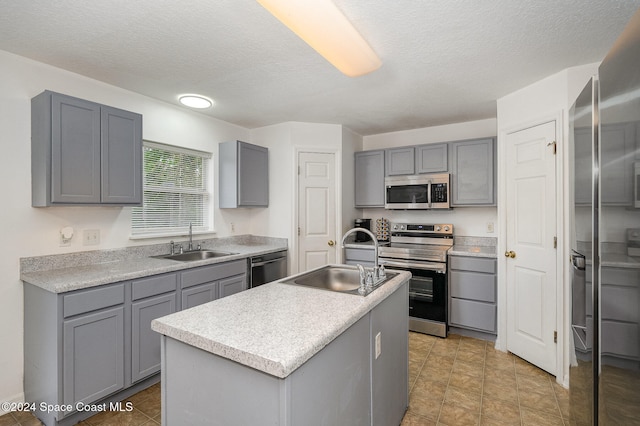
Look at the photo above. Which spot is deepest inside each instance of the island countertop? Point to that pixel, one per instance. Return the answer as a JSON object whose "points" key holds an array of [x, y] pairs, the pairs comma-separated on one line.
{"points": [[274, 328]]}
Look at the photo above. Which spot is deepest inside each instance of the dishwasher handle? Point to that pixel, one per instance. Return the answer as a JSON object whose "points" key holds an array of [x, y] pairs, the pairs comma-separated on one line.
{"points": [[266, 262]]}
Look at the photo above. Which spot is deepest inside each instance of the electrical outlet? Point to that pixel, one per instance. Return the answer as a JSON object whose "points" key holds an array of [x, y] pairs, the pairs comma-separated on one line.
{"points": [[490, 228], [64, 242], [90, 237], [378, 345]]}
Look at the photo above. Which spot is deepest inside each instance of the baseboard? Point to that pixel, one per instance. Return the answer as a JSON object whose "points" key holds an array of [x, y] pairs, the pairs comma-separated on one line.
{"points": [[14, 399]]}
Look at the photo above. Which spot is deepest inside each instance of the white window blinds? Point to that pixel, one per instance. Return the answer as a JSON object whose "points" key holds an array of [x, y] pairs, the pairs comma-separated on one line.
{"points": [[175, 191]]}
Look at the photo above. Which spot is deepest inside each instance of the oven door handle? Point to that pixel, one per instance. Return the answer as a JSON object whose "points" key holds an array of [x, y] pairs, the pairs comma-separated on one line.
{"points": [[437, 267], [421, 297]]}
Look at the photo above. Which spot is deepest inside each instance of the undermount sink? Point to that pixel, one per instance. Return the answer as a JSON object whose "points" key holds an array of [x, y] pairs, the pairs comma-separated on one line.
{"points": [[191, 256], [333, 278]]}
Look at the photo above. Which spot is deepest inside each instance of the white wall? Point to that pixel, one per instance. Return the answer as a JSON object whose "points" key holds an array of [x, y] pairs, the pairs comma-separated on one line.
{"points": [[284, 141], [28, 231], [467, 221], [351, 142]]}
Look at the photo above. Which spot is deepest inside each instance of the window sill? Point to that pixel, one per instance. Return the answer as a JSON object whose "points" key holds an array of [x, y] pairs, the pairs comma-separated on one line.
{"points": [[169, 235]]}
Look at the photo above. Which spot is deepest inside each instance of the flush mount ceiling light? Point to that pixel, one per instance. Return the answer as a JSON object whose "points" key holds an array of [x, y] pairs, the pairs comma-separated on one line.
{"points": [[322, 26], [195, 101]]}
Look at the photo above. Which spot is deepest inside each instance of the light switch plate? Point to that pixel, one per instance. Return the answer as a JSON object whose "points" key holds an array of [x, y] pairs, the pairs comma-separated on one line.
{"points": [[90, 237]]}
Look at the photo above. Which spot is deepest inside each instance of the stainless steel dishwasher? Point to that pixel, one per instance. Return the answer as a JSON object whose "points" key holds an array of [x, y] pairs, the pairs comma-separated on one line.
{"points": [[267, 267]]}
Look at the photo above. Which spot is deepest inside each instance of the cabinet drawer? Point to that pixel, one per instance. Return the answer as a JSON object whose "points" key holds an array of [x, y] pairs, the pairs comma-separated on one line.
{"points": [[213, 273], [470, 314], [473, 285], [152, 286], [477, 264], [366, 255], [93, 299]]}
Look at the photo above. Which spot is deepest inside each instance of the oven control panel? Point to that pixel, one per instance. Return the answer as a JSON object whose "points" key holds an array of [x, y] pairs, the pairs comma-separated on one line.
{"points": [[437, 228]]}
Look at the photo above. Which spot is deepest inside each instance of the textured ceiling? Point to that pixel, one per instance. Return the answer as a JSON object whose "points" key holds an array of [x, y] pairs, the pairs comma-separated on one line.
{"points": [[443, 61]]}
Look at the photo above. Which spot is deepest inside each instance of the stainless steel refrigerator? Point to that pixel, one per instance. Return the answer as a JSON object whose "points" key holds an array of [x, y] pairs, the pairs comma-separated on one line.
{"points": [[605, 260]]}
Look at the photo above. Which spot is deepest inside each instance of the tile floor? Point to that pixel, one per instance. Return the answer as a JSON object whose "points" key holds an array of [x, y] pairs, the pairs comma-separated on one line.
{"points": [[463, 381], [455, 381]]}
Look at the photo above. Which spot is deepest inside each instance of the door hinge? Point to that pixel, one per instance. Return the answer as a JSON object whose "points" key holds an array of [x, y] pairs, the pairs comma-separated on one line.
{"points": [[555, 242], [299, 170], [554, 146], [298, 231], [555, 337]]}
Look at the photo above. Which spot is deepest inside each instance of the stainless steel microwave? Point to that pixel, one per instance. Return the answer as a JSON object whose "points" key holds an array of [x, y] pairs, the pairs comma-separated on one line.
{"points": [[417, 192]]}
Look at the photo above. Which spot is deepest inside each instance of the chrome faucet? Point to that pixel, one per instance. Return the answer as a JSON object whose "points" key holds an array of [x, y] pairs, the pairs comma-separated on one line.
{"points": [[190, 246], [368, 280], [376, 264]]}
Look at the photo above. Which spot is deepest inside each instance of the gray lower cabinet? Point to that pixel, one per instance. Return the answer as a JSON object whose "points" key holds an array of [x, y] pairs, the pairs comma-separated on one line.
{"points": [[93, 360], [473, 172], [84, 153], [96, 344], [243, 175], [232, 285], [369, 179], [344, 383], [207, 283], [472, 293], [199, 294], [363, 256]]}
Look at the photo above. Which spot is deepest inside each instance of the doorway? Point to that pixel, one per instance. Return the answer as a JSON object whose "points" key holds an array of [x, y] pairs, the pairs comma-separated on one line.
{"points": [[317, 210], [531, 244]]}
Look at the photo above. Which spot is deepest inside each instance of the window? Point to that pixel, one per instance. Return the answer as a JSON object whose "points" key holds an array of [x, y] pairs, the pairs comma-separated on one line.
{"points": [[176, 191]]}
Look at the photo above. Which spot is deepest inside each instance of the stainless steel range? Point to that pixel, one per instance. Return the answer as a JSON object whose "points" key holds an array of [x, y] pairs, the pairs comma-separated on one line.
{"points": [[422, 250]]}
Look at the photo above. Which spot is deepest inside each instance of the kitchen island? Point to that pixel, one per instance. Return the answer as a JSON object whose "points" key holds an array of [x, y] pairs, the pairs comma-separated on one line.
{"points": [[286, 354]]}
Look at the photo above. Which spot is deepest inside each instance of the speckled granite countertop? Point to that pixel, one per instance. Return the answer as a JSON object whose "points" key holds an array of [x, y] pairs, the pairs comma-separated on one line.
{"points": [[474, 246], [74, 271], [473, 251], [274, 328]]}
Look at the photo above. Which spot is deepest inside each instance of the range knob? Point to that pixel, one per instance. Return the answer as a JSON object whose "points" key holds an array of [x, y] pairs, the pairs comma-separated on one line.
{"points": [[446, 228], [402, 227], [395, 227], [438, 228]]}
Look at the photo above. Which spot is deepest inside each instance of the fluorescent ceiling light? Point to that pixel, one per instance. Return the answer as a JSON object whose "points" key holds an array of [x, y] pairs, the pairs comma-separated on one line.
{"points": [[195, 101], [321, 24]]}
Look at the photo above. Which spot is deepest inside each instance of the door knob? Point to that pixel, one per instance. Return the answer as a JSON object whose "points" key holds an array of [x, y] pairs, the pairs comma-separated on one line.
{"points": [[331, 243], [510, 254]]}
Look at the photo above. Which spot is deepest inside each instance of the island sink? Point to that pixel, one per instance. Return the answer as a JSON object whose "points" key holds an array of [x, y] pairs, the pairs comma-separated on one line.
{"points": [[333, 278], [191, 256]]}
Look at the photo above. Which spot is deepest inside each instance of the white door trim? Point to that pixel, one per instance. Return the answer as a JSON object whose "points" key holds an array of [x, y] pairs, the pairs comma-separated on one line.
{"points": [[562, 311], [297, 149]]}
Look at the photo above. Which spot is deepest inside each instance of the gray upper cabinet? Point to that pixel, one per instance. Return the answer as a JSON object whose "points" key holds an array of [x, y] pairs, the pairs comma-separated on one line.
{"points": [[432, 158], [369, 179], [83, 153], [400, 161], [473, 172], [243, 175], [121, 157]]}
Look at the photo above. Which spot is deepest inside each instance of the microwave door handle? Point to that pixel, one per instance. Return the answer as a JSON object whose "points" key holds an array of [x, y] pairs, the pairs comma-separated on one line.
{"points": [[429, 192]]}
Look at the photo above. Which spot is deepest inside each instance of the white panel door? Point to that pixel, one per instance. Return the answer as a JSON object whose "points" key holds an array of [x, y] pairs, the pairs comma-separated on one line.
{"points": [[316, 210], [531, 256]]}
